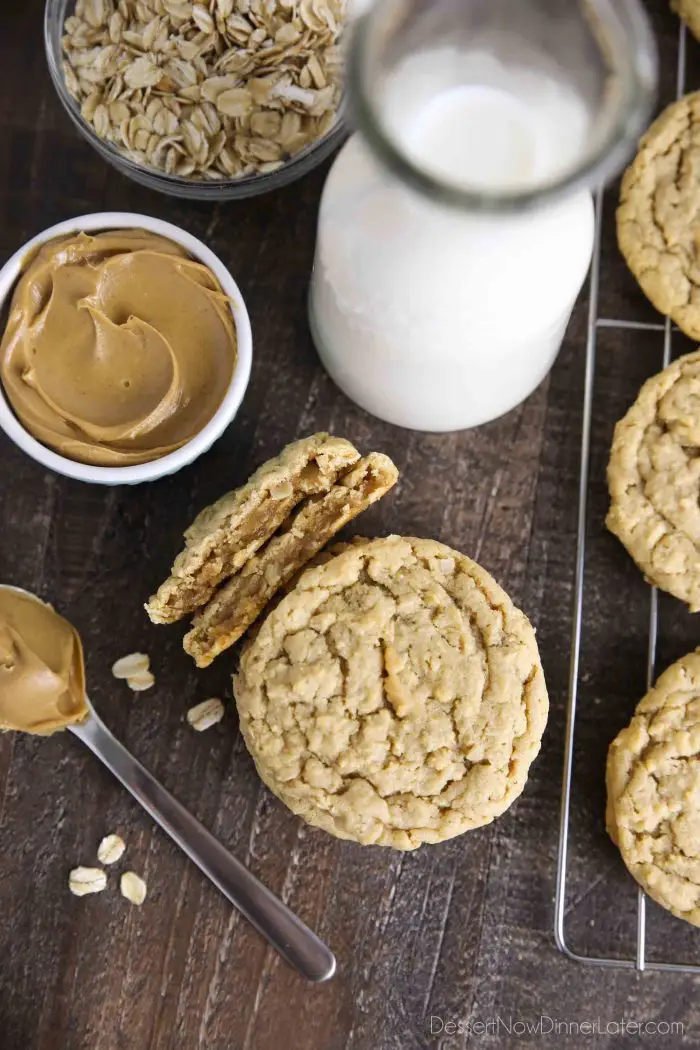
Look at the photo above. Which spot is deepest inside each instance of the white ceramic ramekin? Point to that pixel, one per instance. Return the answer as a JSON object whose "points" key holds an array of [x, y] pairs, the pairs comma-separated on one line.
{"points": [[201, 442]]}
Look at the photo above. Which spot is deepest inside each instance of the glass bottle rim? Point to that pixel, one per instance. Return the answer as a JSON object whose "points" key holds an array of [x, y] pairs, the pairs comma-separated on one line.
{"points": [[631, 119]]}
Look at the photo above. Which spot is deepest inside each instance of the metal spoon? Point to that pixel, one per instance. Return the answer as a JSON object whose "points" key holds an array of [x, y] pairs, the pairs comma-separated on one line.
{"points": [[285, 932]]}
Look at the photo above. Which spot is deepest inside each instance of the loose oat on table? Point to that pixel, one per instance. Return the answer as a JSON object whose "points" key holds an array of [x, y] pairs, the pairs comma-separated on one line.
{"points": [[653, 784], [236, 605], [111, 849], [395, 696], [205, 715], [225, 535], [208, 90], [138, 683], [658, 220], [133, 887], [127, 666], [654, 480], [82, 881]]}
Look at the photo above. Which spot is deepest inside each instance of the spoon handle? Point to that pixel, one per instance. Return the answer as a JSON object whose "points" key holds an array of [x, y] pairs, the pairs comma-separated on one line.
{"points": [[293, 940]]}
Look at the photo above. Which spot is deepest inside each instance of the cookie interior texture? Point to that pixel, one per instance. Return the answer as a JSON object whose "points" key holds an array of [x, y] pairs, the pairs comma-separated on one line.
{"points": [[654, 480], [653, 784], [658, 220], [225, 535], [395, 696], [239, 602]]}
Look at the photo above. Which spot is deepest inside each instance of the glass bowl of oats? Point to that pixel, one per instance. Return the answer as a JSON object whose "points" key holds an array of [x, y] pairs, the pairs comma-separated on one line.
{"points": [[204, 99]]}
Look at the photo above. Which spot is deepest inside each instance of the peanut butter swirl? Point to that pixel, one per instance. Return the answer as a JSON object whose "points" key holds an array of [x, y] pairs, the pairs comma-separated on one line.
{"points": [[119, 347], [42, 676]]}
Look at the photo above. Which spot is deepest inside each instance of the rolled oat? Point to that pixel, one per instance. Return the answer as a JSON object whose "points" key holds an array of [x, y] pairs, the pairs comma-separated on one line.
{"points": [[133, 887], [127, 666], [111, 849], [205, 715], [206, 90], [82, 881], [141, 681]]}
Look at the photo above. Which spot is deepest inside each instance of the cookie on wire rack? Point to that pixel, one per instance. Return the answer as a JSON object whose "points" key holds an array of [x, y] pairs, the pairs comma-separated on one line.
{"points": [[654, 480], [658, 219], [653, 785], [689, 11]]}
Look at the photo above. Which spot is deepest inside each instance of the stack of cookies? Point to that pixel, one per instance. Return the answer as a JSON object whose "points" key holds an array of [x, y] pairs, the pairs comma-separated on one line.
{"points": [[394, 695], [240, 551], [653, 771]]}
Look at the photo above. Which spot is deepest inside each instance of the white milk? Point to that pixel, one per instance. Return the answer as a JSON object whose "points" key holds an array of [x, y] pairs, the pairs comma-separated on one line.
{"points": [[435, 318]]}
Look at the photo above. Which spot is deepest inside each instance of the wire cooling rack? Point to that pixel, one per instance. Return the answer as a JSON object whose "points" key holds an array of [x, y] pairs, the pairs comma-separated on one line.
{"points": [[595, 323]]}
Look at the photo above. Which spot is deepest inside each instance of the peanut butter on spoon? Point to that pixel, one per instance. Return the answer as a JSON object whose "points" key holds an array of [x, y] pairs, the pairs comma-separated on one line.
{"points": [[42, 675], [42, 689]]}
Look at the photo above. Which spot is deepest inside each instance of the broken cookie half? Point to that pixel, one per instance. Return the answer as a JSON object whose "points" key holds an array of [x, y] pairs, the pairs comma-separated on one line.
{"points": [[252, 542], [239, 602], [225, 535]]}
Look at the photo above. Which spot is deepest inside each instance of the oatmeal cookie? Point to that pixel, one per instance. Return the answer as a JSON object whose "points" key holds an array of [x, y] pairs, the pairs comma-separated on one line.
{"points": [[689, 11], [658, 220], [653, 782], [323, 556], [395, 696], [224, 536], [654, 480], [236, 605]]}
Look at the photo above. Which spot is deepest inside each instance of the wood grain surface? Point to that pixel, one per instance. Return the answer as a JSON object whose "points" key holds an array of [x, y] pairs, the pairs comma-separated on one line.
{"points": [[455, 933]]}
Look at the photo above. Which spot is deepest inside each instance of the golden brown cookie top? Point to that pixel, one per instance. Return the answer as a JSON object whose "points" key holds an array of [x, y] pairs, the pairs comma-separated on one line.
{"points": [[654, 480], [689, 11], [653, 779], [395, 696], [658, 220]]}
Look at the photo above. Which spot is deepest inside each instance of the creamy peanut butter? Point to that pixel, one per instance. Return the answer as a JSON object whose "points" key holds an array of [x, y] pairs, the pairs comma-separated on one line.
{"points": [[42, 676], [119, 347]]}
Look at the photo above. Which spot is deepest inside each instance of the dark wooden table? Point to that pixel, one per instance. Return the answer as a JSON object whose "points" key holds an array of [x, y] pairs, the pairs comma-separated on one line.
{"points": [[457, 933]]}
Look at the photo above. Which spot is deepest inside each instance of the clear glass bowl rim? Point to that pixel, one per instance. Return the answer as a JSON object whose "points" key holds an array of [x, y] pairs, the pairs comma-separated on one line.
{"points": [[224, 189]]}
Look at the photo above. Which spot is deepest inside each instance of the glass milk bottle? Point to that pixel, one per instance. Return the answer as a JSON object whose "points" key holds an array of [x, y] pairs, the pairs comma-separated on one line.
{"points": [[456, 230]]}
